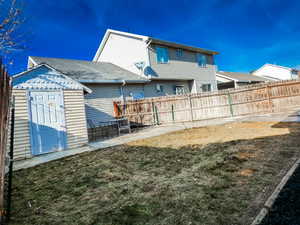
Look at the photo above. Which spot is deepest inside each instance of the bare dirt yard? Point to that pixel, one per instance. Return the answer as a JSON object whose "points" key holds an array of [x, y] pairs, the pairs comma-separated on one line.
{"points": [[215, 175]]}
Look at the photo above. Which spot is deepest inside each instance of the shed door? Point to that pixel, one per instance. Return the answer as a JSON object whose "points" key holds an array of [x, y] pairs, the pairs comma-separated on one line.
{"points": [[47, 122]]}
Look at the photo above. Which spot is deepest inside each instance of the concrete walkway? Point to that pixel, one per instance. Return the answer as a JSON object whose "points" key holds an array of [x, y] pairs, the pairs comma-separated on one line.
{"points": [[290, 116]]}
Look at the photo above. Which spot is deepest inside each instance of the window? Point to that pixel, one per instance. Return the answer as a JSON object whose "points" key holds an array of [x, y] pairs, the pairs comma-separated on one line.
{"points": [[159, 88], [162, 55], [179, 53], [294, 72], [206, 87], [202, 60], [138, 95], [179, 90]]}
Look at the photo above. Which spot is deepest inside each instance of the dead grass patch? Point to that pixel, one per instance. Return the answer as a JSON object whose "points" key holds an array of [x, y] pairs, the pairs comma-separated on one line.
{"points": [[196, 176], [246, 172]]}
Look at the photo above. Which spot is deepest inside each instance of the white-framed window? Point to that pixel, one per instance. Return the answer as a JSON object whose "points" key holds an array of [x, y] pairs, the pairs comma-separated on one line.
{"points": [[206, 87], [295, 74], [162, 55], [201, 59], [179, 90], [179, 53], [159, 88], [294, 71]]}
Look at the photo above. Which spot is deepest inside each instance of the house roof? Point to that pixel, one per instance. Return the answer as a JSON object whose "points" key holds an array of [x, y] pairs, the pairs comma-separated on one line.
{"points": [[274, 65], [90, 72], [149, 39], [182, 46], [241, 77]]}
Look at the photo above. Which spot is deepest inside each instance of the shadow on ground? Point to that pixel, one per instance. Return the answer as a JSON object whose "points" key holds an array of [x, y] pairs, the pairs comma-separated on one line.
{"points": [[286, 208]]}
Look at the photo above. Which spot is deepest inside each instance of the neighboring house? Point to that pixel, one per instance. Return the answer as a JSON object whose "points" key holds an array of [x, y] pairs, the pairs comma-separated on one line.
{"points": [[49, 112], [235, 79], [162, 62], [276, 72]]}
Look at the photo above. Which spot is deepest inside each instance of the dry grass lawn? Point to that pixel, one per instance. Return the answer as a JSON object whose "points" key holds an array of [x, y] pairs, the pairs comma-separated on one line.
{"points": [[218, 175]]}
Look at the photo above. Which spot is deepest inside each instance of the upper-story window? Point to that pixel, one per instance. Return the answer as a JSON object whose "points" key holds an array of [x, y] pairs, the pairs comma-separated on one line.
{"points": [[201, 59], [162, 55], [179, 53]]}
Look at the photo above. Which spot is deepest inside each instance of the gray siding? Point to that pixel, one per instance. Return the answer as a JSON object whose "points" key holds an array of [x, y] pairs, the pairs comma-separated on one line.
{"points": [[99, 104], [129, 90], [168, 88], [185, 67]]}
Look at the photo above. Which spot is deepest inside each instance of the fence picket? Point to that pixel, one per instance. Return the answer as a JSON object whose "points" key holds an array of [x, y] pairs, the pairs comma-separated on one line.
{"points": [[261, 98]]}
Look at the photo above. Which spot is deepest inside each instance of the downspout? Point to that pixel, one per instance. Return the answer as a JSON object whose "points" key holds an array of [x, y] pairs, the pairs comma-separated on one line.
{"points": [[123, 96], [148, 55]]}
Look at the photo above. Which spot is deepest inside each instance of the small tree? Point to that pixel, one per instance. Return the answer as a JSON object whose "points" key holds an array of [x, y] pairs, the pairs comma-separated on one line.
{"points": [[11, 37]]}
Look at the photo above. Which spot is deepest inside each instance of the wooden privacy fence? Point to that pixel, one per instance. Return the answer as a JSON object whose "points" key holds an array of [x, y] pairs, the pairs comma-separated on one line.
{"points": [[5, 92], [261, 98]]}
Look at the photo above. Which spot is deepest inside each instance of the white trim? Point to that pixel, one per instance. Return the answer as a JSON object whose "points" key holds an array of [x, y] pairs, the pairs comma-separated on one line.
{"points": [[114, 81], [226, 77]]}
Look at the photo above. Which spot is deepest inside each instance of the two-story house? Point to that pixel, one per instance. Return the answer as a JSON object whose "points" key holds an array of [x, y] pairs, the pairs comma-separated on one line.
{"points": [[129, 66], [172, 68]]}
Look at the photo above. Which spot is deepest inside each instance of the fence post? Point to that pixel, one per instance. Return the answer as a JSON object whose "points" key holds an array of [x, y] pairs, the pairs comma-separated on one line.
{"points": [[156, 114], [11, 160], [191, 107], [230, 103], [173, 115], [269, 98], [152, 111]]}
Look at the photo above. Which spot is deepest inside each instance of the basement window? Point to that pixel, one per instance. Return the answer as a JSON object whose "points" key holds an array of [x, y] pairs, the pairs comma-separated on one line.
{"points": [[179, 90], [206, 87]]}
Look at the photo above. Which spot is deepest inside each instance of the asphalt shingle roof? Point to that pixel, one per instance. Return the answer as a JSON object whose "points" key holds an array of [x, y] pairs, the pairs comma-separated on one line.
{"points": [[242, 77], [89, 71]]}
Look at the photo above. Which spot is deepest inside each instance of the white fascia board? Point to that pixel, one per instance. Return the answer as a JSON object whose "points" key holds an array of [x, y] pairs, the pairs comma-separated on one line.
{"points": [[30, 60], [223, 76], [106, 36], [113, 81]]}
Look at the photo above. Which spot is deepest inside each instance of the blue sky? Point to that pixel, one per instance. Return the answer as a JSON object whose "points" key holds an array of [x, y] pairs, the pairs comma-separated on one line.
{"points": [[246, 33]]}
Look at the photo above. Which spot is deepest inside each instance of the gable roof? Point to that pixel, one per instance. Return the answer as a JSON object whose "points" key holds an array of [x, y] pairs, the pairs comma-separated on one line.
{"points": [[148, 40], [90, 72], [241, 77], [58, 80], [274, 65]]}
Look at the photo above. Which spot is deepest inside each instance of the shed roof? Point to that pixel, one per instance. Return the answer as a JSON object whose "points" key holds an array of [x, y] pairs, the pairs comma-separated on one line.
{"points": [[44, 76], [241, 77], [90, 72]]}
